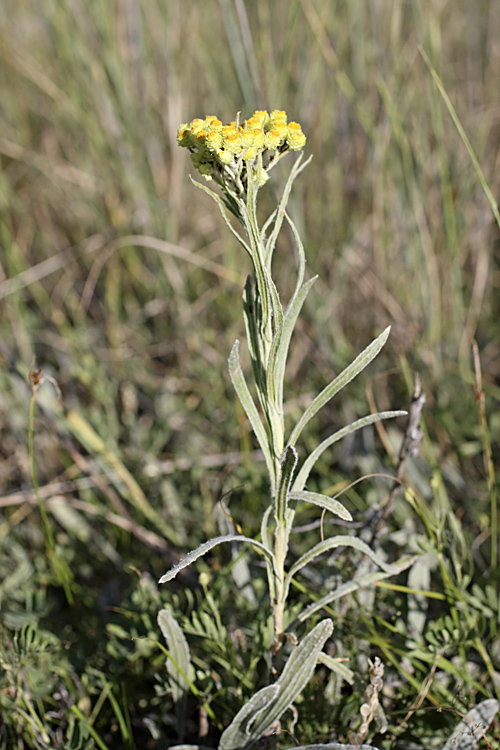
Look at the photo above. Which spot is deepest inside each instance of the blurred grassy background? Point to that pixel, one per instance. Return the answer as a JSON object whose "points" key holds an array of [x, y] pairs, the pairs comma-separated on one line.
{"points": [[118, 278]]}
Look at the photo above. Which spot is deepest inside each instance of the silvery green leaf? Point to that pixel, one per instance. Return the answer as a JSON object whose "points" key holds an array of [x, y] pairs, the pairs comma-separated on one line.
{"points": [[241, 388], [295, 676], [292, 312], [267, 542], [288, 463], [191, 747], [254, 342], [206, 547], [329, 503], [178, 664], [357, 583], [359, 364], [237, 733], [338, 667], [222, 207], [264, 533], [302, 476], [273, 388], [294, 172], [262, 275], [473, 727], [326, 546]]}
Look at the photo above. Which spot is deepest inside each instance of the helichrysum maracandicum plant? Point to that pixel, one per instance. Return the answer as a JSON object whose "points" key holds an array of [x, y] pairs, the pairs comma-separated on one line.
{"points": [[239, 157]]}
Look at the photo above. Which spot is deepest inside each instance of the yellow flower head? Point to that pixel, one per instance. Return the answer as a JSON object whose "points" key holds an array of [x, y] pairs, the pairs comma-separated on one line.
{"points": [[258, 118], [214, 140], [197, 125], [272, 139], [295, 137], [277, 114], [226, 152], [247, 137]]}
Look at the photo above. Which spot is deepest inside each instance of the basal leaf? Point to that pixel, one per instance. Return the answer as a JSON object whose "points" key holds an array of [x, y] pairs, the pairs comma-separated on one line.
{"points": [[178, 665], [295, 676], [473, 727], [236, 735]]}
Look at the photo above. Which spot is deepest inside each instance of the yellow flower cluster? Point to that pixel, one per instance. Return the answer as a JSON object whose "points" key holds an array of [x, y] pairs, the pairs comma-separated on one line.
{"points": [[214, 145]]}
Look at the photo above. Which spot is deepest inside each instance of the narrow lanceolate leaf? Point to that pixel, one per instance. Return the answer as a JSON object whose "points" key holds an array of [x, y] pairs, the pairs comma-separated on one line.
{"points": [[268, 543], [288, 464], [473, 727], [280, 214], [291, 315], [326, 546], [303, 475], [328, 503], [222, 207], [178, 664], [357, 583], [277, 320], [206, 547], [251, 315], [264, 708], [237, 733], [241, 388], [336, 385]]}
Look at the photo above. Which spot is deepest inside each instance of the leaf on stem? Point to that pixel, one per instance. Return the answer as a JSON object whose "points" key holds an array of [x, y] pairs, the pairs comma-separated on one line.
{"points": [[222, 208], [280, 214], [302, 476], [241, 388], [206, 547], [347, 588], [328, 503], [359, 364], [288, 464], [292, 312], [326, 546]]}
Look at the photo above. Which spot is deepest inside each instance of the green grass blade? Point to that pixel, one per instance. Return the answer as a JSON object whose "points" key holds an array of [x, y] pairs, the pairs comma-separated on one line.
{"points": [[463, 135]]}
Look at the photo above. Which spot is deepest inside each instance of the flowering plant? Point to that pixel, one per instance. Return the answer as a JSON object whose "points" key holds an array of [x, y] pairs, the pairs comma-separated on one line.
{"points": [[239, 157]]}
